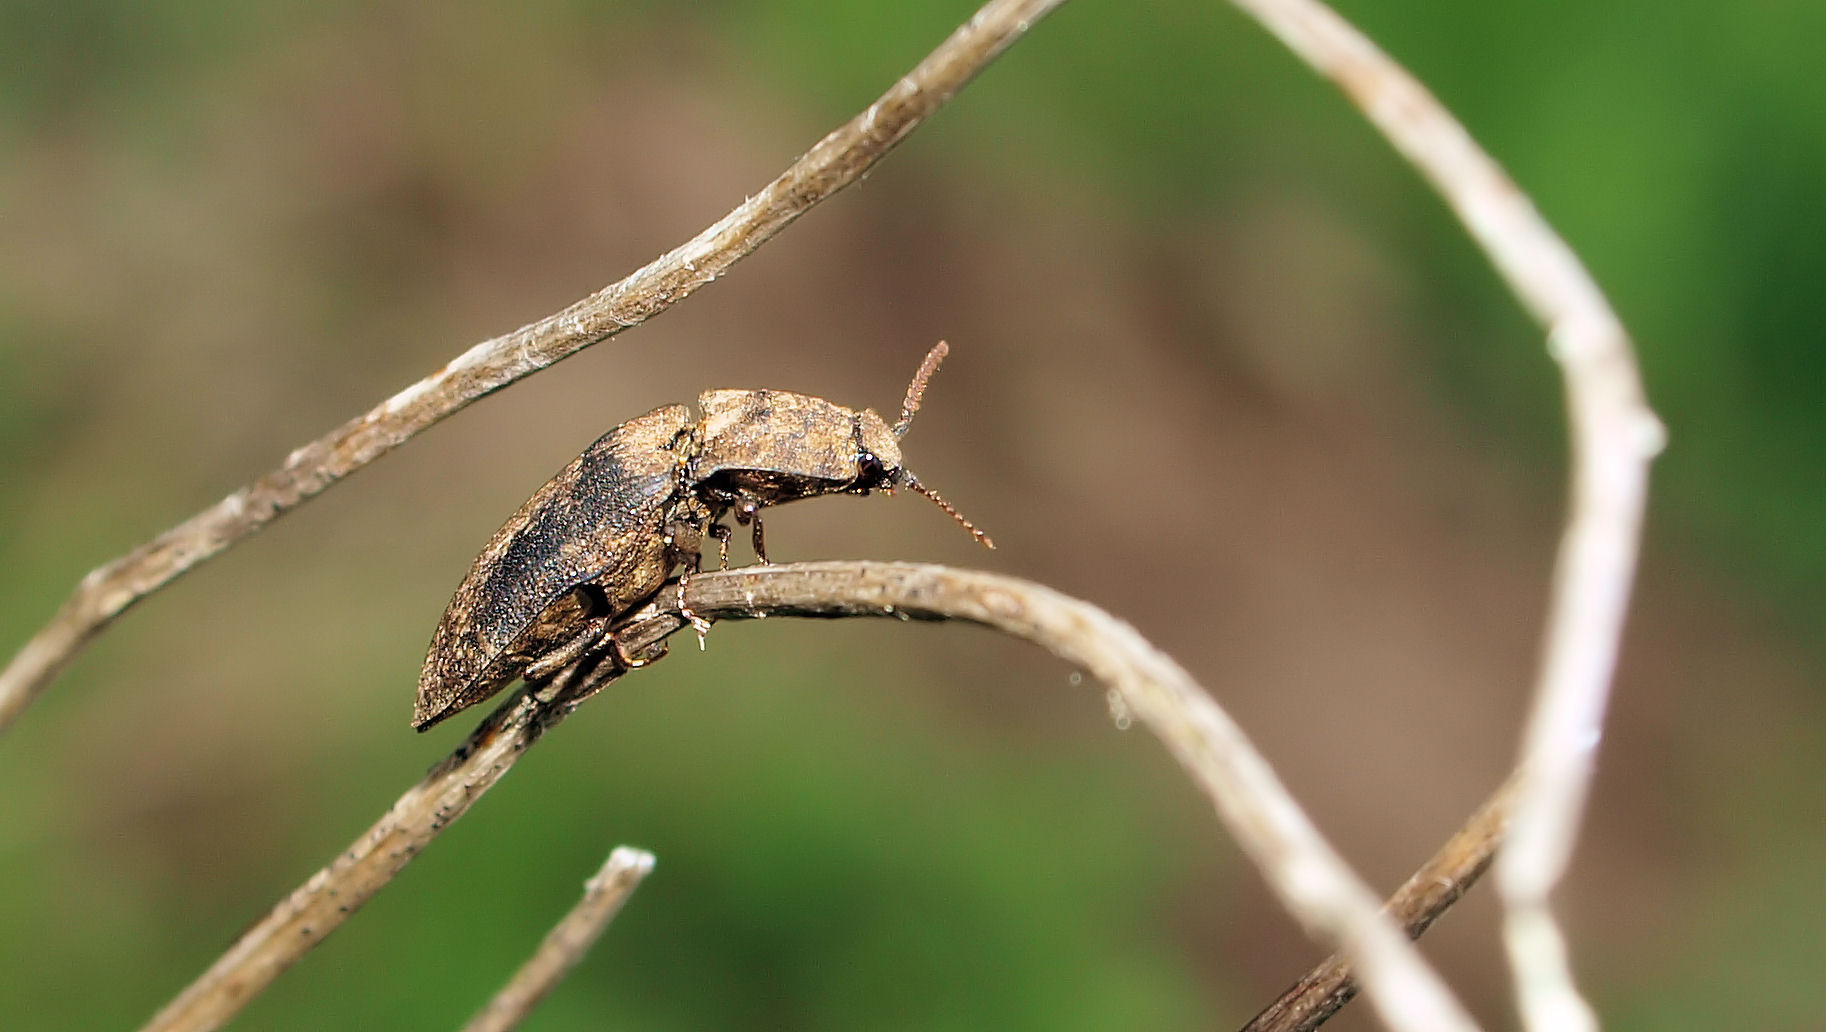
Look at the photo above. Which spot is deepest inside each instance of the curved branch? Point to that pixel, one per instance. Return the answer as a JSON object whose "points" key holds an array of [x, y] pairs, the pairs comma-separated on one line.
{"points": [[1614, 437], [1312, 881], [565, 945], [1309, 877], [835, 162]]}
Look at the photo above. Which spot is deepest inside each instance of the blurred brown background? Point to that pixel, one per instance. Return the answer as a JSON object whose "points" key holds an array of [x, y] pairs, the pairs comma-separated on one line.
{"points": [[1220, 365]]}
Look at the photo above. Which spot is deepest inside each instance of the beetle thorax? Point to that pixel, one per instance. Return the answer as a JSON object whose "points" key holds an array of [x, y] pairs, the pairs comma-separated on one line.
{"points": [[777, 446]]}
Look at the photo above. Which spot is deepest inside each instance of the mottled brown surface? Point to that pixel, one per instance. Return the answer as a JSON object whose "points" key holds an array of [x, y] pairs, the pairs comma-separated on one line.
{"points": [[601, 521], [814, 445]]}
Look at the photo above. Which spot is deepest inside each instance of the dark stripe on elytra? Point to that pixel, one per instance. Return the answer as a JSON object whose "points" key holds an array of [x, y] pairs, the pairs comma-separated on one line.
{"points": [[571, 539]]}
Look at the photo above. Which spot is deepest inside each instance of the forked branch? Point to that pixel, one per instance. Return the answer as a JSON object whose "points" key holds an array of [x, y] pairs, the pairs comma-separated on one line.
{"points": [[1434, 888], [1614, 437]]}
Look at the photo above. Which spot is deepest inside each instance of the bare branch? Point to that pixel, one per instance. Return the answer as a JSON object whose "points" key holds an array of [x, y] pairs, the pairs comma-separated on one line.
{"points": [[320, 906], [1614, 437], [1420, 901], [1307, 874], [565, 945], [835, 162], [1310, 878]]}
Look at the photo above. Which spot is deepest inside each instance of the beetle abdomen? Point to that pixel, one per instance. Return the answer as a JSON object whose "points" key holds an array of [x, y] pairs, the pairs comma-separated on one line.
{"points": [[599, 522]]}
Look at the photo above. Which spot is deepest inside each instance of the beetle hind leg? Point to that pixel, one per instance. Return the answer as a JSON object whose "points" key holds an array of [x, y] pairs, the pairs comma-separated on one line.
{"points": [[587, 637]]}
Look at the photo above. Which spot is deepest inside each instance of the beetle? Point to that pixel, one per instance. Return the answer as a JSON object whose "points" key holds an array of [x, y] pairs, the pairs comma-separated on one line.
{"points": [[602, 536]]}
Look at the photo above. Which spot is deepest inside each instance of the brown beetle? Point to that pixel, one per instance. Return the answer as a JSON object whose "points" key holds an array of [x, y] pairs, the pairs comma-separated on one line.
{"points": [[602, 536]]}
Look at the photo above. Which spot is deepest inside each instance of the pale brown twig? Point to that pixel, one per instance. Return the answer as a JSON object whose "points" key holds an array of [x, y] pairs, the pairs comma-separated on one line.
{"points": [[835, 162], [1308, 876], [318, 907], [1614, 437], [1312, 881], [567, 942], [1434, 888]]}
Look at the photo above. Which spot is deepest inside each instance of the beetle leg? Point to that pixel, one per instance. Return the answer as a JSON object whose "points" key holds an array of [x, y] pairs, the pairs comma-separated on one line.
{"points": [[631, 661], [760, 546], [698, 623], [569, 652], [722, 533], [748, 510]]}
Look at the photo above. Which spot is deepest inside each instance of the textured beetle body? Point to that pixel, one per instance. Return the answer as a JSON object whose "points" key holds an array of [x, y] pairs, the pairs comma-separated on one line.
{"points": [[761, 448], [591, 544], [601, 537]]}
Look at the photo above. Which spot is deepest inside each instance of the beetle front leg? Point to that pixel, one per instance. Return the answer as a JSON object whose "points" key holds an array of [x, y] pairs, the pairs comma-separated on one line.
{"points": [[760, 546], [748, 510]]}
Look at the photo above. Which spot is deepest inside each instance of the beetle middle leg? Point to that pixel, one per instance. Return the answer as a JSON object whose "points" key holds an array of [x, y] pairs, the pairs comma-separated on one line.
{"points": [[747, 511], [722, 533]]}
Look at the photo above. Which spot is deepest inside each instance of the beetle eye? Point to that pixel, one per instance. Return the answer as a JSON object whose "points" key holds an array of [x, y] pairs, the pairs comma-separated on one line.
{"points": [[870, 468]]}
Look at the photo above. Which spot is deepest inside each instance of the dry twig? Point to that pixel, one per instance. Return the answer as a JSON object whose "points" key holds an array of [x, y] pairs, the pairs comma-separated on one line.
{"points": [[835, 162], [1614, 437], [1309, 877], [320, 906], [1433, 889], [1312, 881], [567, 942]]}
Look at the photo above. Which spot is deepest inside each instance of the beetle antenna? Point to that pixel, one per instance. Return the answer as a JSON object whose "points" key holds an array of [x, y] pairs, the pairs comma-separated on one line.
{"points": [[917, 389], [907, 480]]}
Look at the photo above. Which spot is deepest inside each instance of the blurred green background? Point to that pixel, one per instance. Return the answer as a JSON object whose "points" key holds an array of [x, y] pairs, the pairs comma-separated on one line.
{"points": [[1220, 364]]}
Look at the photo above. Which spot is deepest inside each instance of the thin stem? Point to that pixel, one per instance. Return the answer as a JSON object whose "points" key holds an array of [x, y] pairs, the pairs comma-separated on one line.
{"points": [[565, 945], [331, 896], [834, 163], [1312, 881], [1421, 900], [1614, 437], [1310, 878]]}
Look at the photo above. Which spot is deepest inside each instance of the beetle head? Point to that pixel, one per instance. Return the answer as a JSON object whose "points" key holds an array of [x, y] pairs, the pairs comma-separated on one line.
{"points": [[771, 447]]}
